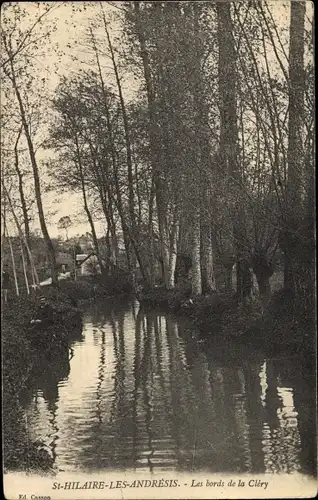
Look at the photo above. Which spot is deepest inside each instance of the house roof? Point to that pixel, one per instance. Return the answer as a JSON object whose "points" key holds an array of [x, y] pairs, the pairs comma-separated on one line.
{"points": [[83, 257]]}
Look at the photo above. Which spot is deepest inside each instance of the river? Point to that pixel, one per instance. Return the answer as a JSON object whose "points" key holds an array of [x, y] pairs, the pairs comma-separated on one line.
{"points": [[143, 392]]}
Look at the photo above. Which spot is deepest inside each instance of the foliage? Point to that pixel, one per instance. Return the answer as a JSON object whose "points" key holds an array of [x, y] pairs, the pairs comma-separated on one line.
{"points": [[19, 358], [189, 164]]}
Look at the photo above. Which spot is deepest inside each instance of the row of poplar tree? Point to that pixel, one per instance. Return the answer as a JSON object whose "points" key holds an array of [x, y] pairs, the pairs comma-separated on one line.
{"points": [[211, 158]]}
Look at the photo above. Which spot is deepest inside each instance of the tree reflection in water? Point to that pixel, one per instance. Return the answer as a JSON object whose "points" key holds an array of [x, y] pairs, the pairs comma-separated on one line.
{"points": [[43, 384], [150, 397]]}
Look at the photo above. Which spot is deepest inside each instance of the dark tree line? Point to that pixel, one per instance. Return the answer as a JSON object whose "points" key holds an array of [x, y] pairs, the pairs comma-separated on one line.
{"points": [[210, 163]]}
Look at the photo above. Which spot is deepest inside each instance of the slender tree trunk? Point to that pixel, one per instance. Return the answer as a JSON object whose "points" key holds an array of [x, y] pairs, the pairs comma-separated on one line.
{"points": [[228, 278], [3, 235], [201, 135], [92, 226], [101, 170], [37, 186], [227, 109], [24, 269], [22, 236], [196, 255], [139, 197], [113, 235], [244, 280], [14, 269], [292, 244], [102, 183], [152, 269], [21, 190], [229, 144], [164, 238], [118, 200], [109, 260], [155, 157], [264, 286], [131, 197], [86, 207], [296, 104], [208, 277], [174, 237], [128, 234]]}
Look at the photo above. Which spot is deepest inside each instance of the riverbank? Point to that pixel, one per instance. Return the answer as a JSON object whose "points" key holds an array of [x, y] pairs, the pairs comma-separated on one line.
{"points": [[281, 324], [18, 360], [90, 288], [20, 357]]}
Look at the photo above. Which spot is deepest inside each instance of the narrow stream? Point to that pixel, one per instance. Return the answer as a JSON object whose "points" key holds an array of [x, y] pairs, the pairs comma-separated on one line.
{"points": [[142, 392]]}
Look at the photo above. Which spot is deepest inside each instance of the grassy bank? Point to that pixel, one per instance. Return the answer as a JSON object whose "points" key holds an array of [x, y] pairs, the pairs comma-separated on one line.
{"points": [[283, 324], [90, 288], [18, 360]]}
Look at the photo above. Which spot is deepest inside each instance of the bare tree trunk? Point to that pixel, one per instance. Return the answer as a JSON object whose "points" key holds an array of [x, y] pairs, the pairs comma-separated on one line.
{"points": [[229, 144], [131, 198], [24, 269], [92, 226], [296, 104], [21, 190], [155, 159], [174, 237], [150, 233], [13, 263], [113, 157], [113, 235], [128, 234], [102, 184], [102, 172], [3, 235], [263, 271], [208, 277], [196, 255], [36, 177], [228, 278], [22, 236], [201, 142], [86, 207], [108, 251], [292, 245]]}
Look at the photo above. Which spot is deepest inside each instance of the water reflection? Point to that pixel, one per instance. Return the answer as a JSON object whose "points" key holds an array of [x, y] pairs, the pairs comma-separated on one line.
{"points": [[142, 393]]}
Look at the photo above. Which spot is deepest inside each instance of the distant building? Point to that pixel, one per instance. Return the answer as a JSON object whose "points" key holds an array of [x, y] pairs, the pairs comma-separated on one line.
{"points": [[64, 262], [87, 264], [86, 243]]}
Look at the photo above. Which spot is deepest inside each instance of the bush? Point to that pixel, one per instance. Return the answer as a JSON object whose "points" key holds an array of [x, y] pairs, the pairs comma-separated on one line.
{"points": [[179, 296], [77, 290], [19, 356]]}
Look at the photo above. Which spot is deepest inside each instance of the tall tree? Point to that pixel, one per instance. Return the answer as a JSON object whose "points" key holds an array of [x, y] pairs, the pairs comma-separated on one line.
{"points": [[154, 83], [65, 223], [292, 235], [17, 47], [25, 212]]}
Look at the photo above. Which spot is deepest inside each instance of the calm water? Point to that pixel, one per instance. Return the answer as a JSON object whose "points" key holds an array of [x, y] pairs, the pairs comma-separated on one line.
{"points": [[142, 392]]}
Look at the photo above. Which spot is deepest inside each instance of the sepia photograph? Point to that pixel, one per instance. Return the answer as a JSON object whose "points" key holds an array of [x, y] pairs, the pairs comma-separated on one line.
{"points": [[158, 250]]}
